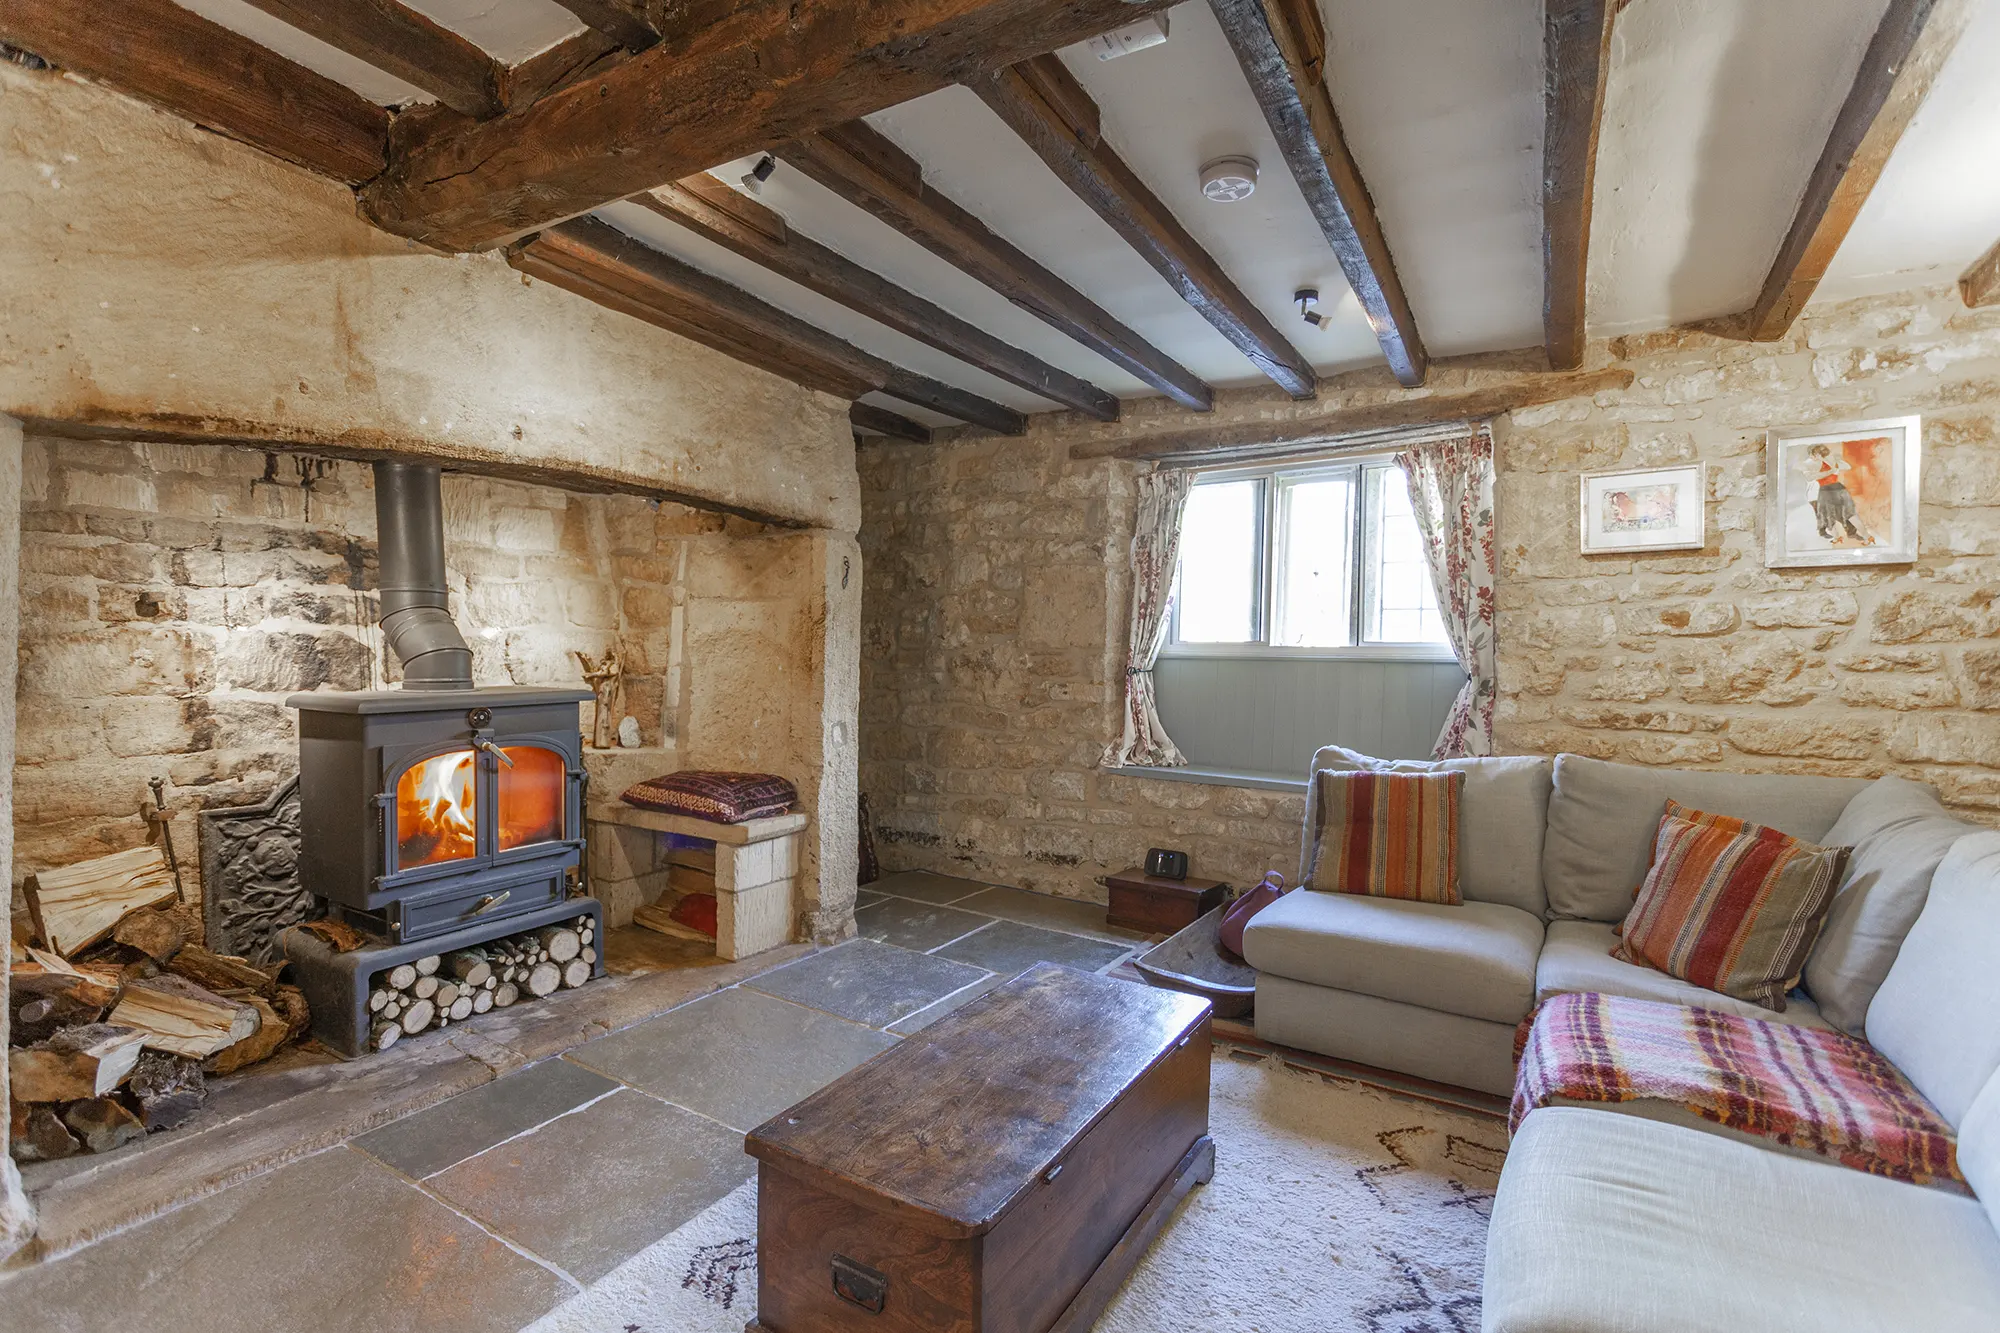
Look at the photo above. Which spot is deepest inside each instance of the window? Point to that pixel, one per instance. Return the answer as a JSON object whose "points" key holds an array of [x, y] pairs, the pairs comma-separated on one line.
{"points": [[1306, 561]]}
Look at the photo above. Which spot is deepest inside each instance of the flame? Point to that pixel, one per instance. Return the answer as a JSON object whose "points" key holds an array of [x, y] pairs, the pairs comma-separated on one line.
{"points": [[434, 810]]}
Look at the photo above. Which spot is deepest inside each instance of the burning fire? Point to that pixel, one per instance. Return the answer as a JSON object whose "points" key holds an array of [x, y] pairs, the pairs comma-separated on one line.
{"points": [[434, 811]]}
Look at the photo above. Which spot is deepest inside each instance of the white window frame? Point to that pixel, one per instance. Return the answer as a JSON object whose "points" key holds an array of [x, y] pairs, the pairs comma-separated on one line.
{"points": [[1361, 541]]}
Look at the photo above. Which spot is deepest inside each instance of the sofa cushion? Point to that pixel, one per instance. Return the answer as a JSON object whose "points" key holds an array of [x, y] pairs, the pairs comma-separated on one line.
{"points": [[1476, 959], [1937, 1014], [1730, 905], [1501, 814], [1610, 1222], [1387, 835], [1979, 1148], [1899, 833], [1603, 816], [1577, 957]]}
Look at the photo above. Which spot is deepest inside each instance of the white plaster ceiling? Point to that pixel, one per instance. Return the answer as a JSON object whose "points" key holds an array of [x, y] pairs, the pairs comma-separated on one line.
{"points": [[1716, 112]]}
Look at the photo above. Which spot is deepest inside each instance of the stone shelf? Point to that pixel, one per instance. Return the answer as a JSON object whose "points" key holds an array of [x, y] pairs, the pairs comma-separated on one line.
{"points": [[756, 870]]}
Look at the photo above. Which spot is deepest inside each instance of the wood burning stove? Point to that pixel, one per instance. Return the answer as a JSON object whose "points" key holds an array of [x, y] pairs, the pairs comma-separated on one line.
{"points": [[424, 812], [439, 815]]}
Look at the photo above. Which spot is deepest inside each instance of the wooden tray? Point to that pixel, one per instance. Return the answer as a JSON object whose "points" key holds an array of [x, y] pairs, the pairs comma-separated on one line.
{"points": [[1194, 961]]}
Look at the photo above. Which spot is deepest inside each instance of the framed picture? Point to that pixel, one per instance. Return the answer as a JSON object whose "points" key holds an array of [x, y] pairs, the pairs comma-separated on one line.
{"points": [[1647, 509], [1844, 494]]}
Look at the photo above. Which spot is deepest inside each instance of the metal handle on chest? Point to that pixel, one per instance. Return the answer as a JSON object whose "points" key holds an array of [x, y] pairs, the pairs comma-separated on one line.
{"points": [[858, 1284]]}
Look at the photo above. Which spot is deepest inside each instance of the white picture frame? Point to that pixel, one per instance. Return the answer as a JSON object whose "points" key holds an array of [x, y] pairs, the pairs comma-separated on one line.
{"points": [[1845, 493], [1638, 511]]}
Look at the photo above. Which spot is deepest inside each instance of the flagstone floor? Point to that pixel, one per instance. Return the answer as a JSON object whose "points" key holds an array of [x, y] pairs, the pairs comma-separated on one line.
{"points": [[485, 1210]]}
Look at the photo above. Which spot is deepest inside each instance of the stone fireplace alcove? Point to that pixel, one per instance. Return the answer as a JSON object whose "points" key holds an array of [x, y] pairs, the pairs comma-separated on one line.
{"points": [[200, 350]]}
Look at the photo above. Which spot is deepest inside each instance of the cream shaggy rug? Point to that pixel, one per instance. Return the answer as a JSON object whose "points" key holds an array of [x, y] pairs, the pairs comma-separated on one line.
{"points": [[1335, 1206]]}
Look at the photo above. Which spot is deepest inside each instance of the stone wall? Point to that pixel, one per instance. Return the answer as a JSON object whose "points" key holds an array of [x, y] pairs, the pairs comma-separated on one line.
{"points": [[996, 606], [1711, 660], [173, 595], [993, 631]]}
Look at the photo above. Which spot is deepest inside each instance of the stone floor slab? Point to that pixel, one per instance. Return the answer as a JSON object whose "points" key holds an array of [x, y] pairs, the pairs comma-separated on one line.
{"points": [[867, 981], [590, 1189], [737, 1056], [337, 1243], [923, 1018], [925, 887], [1071, 915], [909, 924], [1007, 947], [428, 1142]]}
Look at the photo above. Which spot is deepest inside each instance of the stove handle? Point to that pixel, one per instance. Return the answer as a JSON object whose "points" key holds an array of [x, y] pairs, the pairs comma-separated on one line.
{"points": [[491, 901], [481, 743]]}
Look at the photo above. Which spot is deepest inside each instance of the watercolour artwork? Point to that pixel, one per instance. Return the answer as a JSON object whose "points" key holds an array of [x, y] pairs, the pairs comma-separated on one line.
{"points": [[1843, 494], [1645, 509]]}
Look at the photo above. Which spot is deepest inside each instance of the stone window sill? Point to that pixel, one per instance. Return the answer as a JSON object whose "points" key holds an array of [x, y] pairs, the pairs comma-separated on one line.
{"points": [[1216, 778]]}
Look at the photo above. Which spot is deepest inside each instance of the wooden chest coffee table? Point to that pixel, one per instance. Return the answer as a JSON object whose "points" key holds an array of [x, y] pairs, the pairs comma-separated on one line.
{"points": [[1002, 1171]]}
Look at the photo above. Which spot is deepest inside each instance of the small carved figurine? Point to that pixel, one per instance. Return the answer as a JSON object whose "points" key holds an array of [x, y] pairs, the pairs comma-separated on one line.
{"points": [[603, 680]]}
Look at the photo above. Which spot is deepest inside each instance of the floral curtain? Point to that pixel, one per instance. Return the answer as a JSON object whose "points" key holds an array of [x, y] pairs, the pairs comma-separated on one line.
{"points": [[1451, 492], [1156, 545]]}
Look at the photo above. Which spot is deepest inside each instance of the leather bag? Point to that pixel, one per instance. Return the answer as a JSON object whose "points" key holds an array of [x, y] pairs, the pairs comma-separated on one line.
{"points": [[1237, 915]]}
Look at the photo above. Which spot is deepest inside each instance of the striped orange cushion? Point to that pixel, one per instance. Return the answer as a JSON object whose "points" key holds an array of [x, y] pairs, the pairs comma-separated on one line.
{"points": [[1730, 906], [1388, 835]]}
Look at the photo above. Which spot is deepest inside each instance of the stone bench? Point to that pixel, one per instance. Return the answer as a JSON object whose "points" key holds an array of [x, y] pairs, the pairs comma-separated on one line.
{"points": [[756, 870]]}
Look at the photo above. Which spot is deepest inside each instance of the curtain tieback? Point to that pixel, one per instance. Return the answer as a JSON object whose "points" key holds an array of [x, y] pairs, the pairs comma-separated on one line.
{"points": [[1138, 671]]}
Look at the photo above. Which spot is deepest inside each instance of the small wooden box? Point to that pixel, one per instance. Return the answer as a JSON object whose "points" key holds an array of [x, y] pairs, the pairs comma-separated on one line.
{"points": [[1154, 906], [1001, 1171]]}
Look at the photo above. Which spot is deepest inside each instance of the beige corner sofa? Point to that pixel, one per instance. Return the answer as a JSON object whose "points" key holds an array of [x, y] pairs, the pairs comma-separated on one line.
{"points": [[1625, 1219]]}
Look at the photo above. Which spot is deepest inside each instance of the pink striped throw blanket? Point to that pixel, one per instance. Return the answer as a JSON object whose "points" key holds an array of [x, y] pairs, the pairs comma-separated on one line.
{"points": [[1809, 1089]]}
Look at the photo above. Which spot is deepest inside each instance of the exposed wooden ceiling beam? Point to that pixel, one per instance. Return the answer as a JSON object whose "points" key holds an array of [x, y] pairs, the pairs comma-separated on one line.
{"points": [[600, 262], [621, 22], [1576, 63], [761, 73], [720, 214], [1282, 49], [1980, 284], [201, 71], [401, 42], [864, 168], [867, 416], [1043, 103], [1910, 46], [589, 51], [1428, 409]]}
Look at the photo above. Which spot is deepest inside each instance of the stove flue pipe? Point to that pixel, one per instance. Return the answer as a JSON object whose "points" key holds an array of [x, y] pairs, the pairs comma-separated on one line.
{"points": [[416, 617]]}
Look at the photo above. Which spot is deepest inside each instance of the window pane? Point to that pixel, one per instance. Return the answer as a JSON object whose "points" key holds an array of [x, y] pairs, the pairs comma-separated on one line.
{"points": [[1401, 602], [1315, 563], [1218, 572]]}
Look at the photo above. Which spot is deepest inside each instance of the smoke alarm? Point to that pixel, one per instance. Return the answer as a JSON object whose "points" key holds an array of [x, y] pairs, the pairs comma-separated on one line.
{"points": [[1148, 31], [1227, 179]]}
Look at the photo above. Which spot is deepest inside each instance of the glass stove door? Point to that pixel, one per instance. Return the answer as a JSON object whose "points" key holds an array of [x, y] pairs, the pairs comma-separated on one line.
{"points": [[437, 810], [532, 796]]}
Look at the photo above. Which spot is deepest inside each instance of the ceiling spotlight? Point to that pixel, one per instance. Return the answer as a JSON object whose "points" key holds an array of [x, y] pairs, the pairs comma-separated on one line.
{"points": [[1228, 179], [754, 179], [1148, 31], [1305, 298]]}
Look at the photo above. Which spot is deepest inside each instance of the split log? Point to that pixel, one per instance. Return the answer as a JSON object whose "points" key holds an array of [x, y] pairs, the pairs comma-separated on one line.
{"points": [[426, 987], [506, 995], [272, 1032], [418, 1017], [544, 980], [47, 1002], [461, 1009], [560, 942], [401, 977], [469, 965], [178, 1016], [385, 1035], [575, 973], [482, 1000], [428, 965], [103, 1123], [158, 935], [166, 1090], [76, 1063], [222, 972], [37, 1134], [78, 905]]}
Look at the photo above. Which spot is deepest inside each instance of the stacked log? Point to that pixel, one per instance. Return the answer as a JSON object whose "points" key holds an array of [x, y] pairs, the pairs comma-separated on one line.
{"points": [[120, 1013], [441, 989]]}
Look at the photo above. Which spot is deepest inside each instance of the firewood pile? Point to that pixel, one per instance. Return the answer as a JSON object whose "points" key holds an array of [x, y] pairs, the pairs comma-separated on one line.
{"points": [[118, 1017], [442, 989]]}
